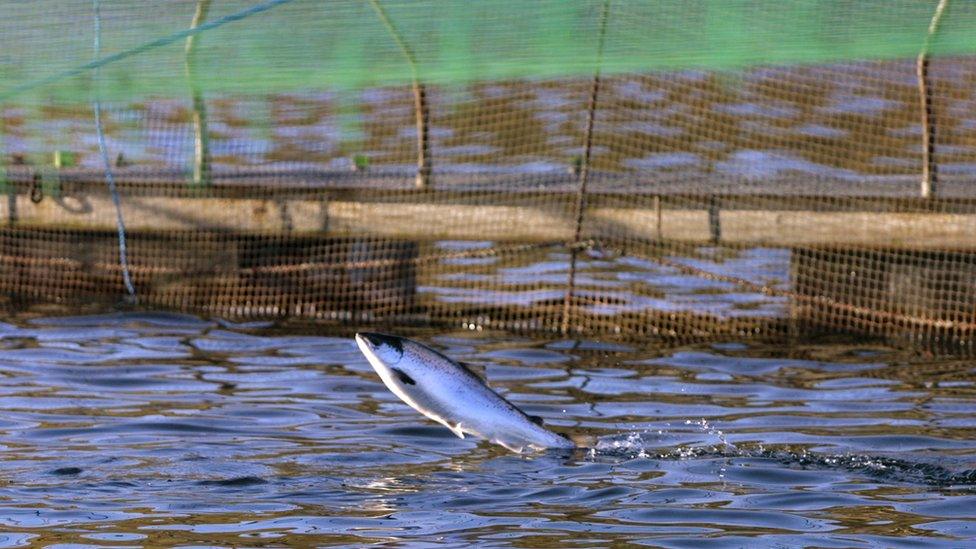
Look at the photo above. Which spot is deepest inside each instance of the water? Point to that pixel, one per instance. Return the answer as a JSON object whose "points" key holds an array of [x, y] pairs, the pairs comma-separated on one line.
{"points": [[162, 430], [846, 122], [616, 283]]}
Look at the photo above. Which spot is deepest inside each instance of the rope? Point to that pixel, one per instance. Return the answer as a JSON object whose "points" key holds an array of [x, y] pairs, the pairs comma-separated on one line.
{"points": [[148, 46], [584, 169], [109, 178]]}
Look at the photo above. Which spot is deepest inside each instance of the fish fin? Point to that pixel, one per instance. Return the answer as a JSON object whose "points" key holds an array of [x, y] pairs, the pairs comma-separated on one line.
{"points": [[470, 370], [537, 420], [404, 378], [509, 446], [456, 428]]}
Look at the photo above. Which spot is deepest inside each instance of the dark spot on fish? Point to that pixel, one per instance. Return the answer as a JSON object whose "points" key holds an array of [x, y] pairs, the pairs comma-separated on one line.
{"points": [[236, 482], [403, 377], [67, 471], [537, 420], [384, 339]]}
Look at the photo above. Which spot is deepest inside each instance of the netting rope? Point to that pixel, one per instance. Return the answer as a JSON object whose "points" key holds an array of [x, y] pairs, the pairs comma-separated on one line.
{"points": [[99, 62], [584, 167], [103, 151]]}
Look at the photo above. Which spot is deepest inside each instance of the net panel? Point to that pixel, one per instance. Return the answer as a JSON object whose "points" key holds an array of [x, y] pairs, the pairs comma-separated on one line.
{"points": [[692, 170], [287, 45]]}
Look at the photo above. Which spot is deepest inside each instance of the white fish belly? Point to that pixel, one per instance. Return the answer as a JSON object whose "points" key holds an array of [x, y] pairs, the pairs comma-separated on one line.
{"points": [[488, 416]]}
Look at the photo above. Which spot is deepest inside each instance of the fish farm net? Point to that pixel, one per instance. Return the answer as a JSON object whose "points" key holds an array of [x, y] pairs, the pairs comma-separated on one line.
{"points": [[681, 168]]}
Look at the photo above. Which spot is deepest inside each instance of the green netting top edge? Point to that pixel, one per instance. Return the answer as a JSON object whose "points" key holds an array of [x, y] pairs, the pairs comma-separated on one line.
{"points": [[268, 47]]}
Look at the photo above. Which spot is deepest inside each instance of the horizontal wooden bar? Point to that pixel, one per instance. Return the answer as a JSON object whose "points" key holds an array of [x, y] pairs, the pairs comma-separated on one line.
{"points": [[535, 220]]}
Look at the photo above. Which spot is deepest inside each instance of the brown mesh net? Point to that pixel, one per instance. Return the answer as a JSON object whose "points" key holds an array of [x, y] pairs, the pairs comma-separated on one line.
{"points": [[688, 203]]}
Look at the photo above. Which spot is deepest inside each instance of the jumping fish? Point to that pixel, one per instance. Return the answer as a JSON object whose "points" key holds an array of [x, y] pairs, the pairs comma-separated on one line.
{"points": [[452, 395]]}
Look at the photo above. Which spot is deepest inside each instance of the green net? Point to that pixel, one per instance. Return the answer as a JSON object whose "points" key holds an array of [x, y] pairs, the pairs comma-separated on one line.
{"points": [[285, 46]]}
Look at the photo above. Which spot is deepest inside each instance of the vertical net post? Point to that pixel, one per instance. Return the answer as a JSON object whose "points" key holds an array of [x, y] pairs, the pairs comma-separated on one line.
{"points": [[423, 135], [929, 166], [584, 170], [201, 135], [421, 109]]}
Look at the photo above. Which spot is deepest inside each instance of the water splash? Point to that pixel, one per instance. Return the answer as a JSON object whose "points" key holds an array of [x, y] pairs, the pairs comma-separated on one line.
{"points": [[706, 428], [632, 444]]}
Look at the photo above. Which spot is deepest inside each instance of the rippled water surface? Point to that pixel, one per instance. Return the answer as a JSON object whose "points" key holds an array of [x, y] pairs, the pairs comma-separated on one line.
{"points": [[146, 429]]}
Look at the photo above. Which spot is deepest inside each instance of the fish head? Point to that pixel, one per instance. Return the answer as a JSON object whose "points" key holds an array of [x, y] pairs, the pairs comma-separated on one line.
{"points": [[385, 354]]}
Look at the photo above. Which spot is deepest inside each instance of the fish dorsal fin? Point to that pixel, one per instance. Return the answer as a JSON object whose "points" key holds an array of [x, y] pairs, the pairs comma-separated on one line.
{"points": [[470, 370], [464, 367], [537, 420]]}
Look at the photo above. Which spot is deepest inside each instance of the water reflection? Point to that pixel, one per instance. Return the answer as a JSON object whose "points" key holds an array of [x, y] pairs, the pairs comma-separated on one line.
{"points": [[831, 121], [611, 285]]}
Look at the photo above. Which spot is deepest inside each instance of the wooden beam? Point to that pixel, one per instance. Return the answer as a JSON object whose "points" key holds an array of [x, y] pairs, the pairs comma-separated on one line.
{"points": [[542, 220]]}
